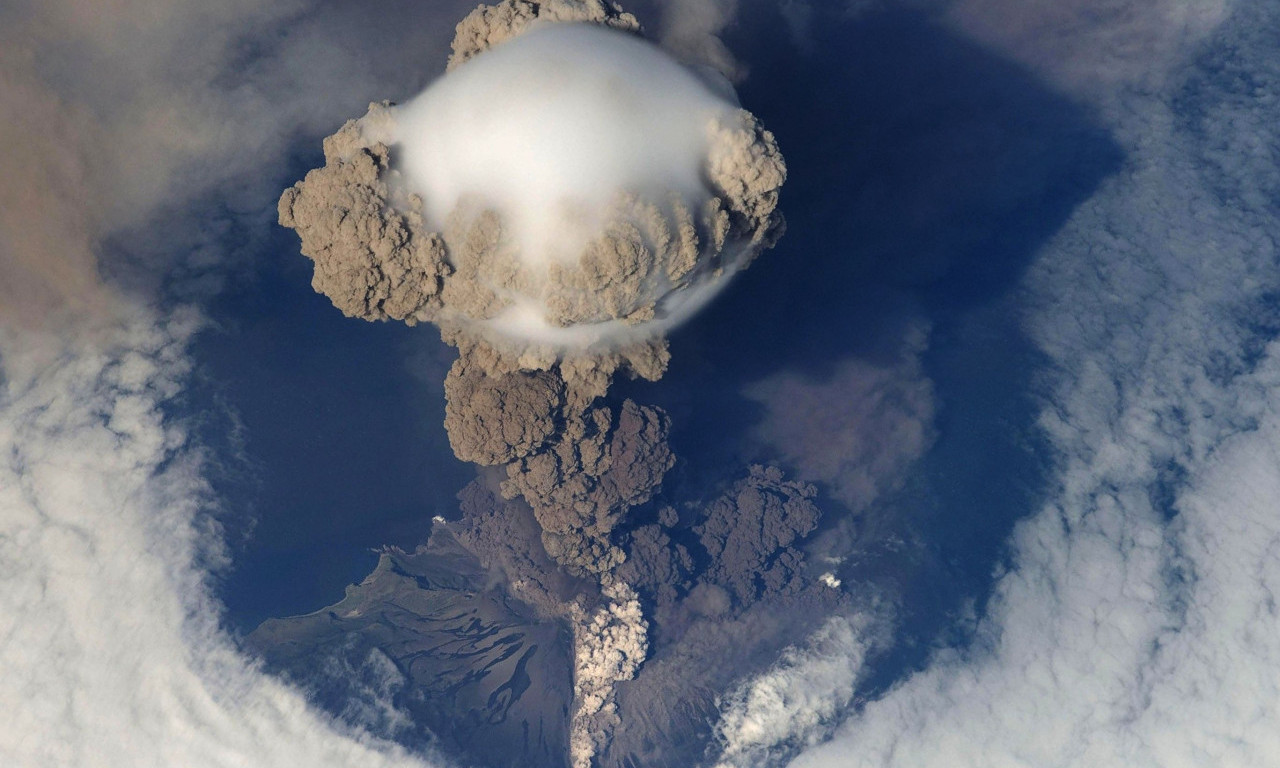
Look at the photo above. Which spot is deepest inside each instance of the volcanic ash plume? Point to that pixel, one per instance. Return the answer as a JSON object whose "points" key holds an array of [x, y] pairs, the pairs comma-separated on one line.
{"points": [[557, 202], [571, 191]]}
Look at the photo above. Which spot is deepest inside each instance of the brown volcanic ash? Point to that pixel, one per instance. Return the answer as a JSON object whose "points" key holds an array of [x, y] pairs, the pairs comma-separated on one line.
{"points": [[531, 400], [580, 465], [489, 25], [377, 259], [581, 489], [725, 605], [749, 533], [529, 404], [372, 262]]}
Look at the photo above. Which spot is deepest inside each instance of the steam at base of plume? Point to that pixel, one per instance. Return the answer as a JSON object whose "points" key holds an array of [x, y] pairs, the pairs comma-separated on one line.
{"points": [[571, 190]]}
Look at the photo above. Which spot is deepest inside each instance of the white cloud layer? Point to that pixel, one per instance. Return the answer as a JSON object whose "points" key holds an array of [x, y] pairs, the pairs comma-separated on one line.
{"points": [[111, 117], [1137, 623], [109, 647]]}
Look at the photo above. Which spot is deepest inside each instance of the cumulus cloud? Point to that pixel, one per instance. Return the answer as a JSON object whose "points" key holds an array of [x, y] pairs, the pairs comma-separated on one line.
{"points": [[574, 189]]}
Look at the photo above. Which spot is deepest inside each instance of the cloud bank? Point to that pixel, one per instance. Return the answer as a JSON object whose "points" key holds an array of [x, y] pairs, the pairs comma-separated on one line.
{"points": [[118, 129], [1135, 623], [797, 700], [559, 200]]}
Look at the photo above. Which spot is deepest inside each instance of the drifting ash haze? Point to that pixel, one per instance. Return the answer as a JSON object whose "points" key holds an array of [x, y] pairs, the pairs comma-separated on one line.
{"points": [[565, 195]]}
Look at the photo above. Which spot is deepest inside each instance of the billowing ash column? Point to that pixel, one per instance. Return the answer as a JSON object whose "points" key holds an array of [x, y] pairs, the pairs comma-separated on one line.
{"points": [[556, 203]]}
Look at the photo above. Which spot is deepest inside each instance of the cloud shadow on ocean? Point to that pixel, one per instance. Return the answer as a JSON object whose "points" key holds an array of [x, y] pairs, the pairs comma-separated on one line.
{"points": [[924, 174]]}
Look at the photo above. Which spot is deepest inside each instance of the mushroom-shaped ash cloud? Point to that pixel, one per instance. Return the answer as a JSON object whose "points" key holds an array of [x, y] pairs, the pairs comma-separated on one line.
{"points": [[559, 200], [572, 190]]}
